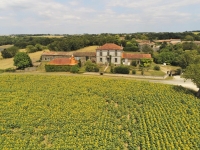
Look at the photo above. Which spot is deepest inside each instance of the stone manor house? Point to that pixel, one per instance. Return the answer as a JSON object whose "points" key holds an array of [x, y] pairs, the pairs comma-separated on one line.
{"points": [[104, 54]]}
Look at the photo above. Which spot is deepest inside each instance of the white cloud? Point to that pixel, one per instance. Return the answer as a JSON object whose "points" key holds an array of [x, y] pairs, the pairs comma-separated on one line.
{"points": [[150, 3], [75, 15], [74, 3]]}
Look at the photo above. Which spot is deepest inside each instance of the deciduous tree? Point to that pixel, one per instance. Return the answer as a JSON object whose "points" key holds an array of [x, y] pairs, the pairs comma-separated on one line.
{"points": [[22, 60], [193, 72]]}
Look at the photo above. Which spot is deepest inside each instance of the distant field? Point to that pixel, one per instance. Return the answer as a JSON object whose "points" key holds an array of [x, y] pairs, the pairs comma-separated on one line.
{"points": [[88, 49], [4, 46], [196, 32], [50, 36], [8, 63]]}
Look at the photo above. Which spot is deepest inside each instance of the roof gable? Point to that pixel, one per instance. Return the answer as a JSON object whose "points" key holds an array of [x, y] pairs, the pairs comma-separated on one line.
{"points": [[110, 46]]}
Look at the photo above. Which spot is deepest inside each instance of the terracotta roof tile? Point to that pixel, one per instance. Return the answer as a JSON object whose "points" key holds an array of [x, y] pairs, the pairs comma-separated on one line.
{"points": [[61, 61], [57, 53], [135, 56], [83, 54], [110, 46], [143, 41]]}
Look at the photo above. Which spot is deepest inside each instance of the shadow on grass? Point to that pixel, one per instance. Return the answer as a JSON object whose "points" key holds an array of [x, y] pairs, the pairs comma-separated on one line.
{"points": [[180, 88]]}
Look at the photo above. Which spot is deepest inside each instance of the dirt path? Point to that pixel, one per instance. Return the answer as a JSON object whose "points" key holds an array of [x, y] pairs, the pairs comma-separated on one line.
{"points": [[177, 80]]}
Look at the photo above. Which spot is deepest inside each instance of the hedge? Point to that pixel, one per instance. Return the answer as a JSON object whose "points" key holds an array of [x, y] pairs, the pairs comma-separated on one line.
{"points": [[57, 68], [7, 70], [121, 69]]}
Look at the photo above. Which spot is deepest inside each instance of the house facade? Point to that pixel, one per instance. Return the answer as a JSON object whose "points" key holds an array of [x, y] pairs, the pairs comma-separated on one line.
{"points": [[129, 57], [48, 56], [84, 56], [109, 52], [105, 54]]}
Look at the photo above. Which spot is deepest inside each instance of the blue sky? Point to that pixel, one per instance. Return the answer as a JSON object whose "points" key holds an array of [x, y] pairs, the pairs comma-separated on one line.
{"points": [[98, 16]]}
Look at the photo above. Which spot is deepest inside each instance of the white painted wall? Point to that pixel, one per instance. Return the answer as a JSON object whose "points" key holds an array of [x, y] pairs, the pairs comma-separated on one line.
{"points": [[105, 56]]}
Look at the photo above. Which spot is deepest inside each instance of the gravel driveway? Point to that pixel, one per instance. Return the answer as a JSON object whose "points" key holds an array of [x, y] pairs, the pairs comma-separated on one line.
{"points": [[178, 81]]}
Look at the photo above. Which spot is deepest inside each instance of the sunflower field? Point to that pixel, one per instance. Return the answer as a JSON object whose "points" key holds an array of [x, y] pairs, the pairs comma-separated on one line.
{"points": [[83, 112]]}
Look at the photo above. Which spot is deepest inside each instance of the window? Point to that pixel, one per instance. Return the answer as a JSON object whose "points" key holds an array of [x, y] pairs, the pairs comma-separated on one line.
{"points": [[115, 53], [115, 59], [100, 53], [100, 59]]}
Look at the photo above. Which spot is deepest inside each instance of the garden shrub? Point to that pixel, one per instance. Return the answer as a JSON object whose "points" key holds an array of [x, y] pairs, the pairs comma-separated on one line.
{"points": [[121, 69], [74, 69], [133, 71], [134, 63], [156, 68], [91, 67]]}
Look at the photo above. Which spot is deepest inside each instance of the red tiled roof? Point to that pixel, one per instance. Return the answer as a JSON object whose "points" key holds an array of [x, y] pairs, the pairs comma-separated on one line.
{"points": [[110, 46], [143, 41], [61, 61], [57, 53], [83, 54], [135, 56]]}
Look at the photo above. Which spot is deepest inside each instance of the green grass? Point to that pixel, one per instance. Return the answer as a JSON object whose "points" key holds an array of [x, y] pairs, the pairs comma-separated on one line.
{"points": [[41, 68]]}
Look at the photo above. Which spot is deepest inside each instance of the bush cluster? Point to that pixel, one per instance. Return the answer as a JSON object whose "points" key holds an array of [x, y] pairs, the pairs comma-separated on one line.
{"points": [[133, 71], [74, 69], [91, 67], [37, 47], [9, 52], [121, 69], [156, 68], [134, 63]]}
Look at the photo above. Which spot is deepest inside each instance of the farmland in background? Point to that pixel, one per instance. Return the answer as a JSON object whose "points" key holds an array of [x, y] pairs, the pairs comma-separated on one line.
{"points": [[8, 63]]}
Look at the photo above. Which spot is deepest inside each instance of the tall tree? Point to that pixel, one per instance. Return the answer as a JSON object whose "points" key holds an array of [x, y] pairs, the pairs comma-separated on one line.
{"points": [[22, 60], [187, 58], [193, 72]]}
